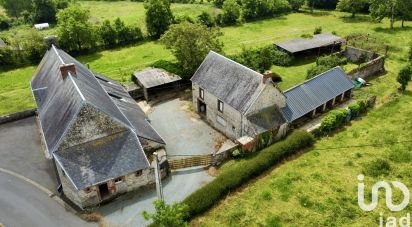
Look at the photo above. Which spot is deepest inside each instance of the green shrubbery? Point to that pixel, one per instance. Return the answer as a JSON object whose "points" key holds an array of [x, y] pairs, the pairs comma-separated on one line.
{"points": [[236, 175], [377, 168], [325, 63], [337, 118], [262, 59]]}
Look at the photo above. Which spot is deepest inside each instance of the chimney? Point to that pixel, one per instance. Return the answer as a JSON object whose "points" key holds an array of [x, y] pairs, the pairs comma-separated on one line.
{"points": [[51, 40], [267, 75], [65, 69]]}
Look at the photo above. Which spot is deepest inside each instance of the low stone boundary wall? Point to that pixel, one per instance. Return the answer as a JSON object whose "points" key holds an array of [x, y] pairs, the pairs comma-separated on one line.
{"points": [[371, 68], [17, 116]]}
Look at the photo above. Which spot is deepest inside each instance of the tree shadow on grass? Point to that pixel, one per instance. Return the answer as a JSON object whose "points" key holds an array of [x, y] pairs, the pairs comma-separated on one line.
{"points": [[316, 13], [394, 30], [357, 19]]}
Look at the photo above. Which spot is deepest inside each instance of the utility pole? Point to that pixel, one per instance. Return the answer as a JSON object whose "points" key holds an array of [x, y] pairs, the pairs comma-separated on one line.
{"points": [[159, 188]]}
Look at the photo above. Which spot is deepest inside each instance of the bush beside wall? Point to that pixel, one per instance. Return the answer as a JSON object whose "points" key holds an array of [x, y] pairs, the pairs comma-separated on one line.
{"points": [[207, 196]]}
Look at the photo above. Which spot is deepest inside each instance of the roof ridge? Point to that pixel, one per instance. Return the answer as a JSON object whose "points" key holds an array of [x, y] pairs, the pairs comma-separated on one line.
{"points": [[237, 63]]}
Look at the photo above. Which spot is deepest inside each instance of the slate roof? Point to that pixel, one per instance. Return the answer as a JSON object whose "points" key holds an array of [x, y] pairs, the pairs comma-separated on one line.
{"points": [[100, 160], [304, 98], [302, 44], [60, 100], [266, 119], [154, 77], [234, 84]]}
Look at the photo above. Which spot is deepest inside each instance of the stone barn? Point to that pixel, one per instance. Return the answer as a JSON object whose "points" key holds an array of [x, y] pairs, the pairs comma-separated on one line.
{"points": [[319, 44], [237, 100], [93, 130]]}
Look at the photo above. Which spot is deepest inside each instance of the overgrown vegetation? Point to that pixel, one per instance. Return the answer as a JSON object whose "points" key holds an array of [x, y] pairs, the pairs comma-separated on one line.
{"points": [[262, 59], [190, 43], [325, 63], [244, 170], [166, 215]]}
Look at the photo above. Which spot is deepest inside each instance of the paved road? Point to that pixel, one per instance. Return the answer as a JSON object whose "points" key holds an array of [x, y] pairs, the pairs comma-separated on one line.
{"points": [[21, 152], [21, 204]]}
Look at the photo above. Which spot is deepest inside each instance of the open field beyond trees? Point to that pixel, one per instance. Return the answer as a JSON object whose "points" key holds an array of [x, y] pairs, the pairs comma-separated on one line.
{"points": [[121, 62], [319, 188]]}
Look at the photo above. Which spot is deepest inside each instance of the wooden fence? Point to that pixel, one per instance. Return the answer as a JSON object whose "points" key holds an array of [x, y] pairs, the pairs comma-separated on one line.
{"points": [[192, 161]]}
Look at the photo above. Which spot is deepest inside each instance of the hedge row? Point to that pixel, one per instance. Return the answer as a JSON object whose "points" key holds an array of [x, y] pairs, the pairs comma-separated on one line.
{"points": [[337, 118], [204, 198]]}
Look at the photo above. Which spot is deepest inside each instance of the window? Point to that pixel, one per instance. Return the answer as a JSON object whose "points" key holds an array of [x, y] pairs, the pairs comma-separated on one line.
{"points": [[220, 106], [118, 180], [201, 93], [138, 173]]}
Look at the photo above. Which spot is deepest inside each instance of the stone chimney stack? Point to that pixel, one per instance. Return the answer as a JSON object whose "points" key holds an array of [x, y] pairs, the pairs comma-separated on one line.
{"points": [[267, 76], [51, 40], [65, 69]]}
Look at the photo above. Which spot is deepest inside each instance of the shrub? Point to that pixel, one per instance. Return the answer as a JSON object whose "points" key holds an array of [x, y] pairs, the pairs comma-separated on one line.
{"points": [[377, 168], [206, 19], [272, 221], [173, 215], [332, 121], [237, 174], [318, 30], [231, 12], [354, 109], [4, 22], [325, 63], [307, 36]]}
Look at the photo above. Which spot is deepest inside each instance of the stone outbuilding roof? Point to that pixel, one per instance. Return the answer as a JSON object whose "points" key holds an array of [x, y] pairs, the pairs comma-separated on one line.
{"points": [[153, 77], [63, 89], [304, 98], [234, 84], [302, 44]]}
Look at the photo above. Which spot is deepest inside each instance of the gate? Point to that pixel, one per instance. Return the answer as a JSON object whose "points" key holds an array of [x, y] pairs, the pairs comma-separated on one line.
{"points": [[192, 161]]}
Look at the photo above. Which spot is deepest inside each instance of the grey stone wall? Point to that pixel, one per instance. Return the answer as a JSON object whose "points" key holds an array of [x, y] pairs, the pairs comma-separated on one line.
{"points": [[371, 68], [91, 196], [270, 96], [354, 54], [231, 119]]}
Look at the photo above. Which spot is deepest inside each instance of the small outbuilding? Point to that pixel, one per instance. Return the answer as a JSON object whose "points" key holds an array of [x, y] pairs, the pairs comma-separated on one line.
{"points": [[41, 26], [318, 44], [154, 80], [315, 95]]}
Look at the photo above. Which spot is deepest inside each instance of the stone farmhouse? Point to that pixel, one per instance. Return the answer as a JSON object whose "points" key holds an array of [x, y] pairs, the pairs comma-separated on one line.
{"points": [[241, 103], [235, 99], [97, 136]]}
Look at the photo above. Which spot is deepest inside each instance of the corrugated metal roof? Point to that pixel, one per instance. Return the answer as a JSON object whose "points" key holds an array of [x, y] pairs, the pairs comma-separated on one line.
{"points": [[154, 77], [301, 44], [100, 160], [311, 94], [231, 82]]}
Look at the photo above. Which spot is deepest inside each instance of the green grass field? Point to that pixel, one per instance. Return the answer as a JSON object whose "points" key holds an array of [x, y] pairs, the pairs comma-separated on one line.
{"points": [[133, 13], [120, 63], [319, 188]]}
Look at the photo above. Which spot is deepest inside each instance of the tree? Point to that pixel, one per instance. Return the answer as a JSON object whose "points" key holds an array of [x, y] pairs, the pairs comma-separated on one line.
{"points": [[380, 9], [14, 8], [168, 215], [404, 77], [404, 10], [231, 12], [205, 19], [219, 3], [296, 4], [108, 34], [351, 6], [158, 17], [190, 43], [322, 4], [74, 30], [44, 11]]}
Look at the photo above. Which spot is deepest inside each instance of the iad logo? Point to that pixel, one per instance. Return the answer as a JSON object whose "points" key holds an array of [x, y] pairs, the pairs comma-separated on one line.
{"points": [[388, 193]]}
